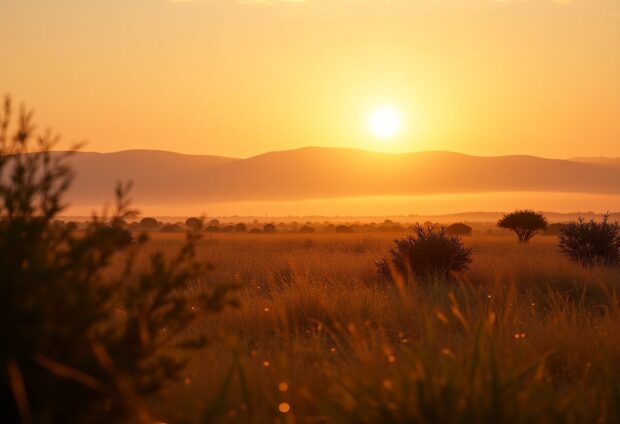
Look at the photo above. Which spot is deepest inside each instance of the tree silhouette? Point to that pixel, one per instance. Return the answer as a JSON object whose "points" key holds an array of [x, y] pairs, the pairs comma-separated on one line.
{"points": [[149, 224], [344, 229], [524, 223], [195, 224]]}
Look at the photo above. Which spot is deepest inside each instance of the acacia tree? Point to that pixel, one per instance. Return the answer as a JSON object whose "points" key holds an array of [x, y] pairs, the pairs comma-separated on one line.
{"points": [[79, 344], [524, 223]]}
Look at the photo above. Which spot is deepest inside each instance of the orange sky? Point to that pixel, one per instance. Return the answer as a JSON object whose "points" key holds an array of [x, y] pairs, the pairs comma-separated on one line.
{"points": [[239, 78]]}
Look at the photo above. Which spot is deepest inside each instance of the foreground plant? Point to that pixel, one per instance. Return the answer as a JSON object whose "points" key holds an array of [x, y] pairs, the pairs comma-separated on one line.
{"points": [[591, 243], [429, 252], [428, 382], [76, 345]]}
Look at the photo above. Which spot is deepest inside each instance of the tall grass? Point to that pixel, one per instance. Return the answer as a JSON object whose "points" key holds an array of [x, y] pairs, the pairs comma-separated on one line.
{"points": [[523, 336]]}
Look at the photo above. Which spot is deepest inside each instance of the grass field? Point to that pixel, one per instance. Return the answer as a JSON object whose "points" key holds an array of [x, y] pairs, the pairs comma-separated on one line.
{"points": [[522, 336]]}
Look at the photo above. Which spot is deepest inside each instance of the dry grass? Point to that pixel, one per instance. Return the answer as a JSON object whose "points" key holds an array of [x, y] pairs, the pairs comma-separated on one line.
{"points": [[523, 335]]}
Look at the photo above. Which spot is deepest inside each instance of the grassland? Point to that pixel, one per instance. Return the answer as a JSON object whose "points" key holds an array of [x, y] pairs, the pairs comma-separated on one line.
{"points": [[522, 336]]}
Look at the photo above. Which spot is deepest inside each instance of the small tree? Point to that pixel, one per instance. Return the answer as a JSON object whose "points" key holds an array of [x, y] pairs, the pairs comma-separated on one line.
{"points": [[241, 228], [591, 243], [171, 228], [458, 229], [195, 224], [149, 224], [269, 228], [428, 252], [343, 229], [524, 223], [306, 229]]}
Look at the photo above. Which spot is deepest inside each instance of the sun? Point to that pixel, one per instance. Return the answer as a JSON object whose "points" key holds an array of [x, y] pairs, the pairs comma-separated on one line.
{"points": [[385, 122]]}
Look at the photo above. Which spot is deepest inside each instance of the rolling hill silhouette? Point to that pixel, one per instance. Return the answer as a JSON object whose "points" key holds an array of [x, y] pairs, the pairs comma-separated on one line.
{"points": [[313, 172]]}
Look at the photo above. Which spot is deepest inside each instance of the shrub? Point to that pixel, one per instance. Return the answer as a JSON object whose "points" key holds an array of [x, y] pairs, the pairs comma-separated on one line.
{"points": [[149, 224], [344, 229], [306, 229], [195, 224], [524, 223], [228, 229], [591, 243], [269, 228], [79, 344], [123, 237], [241, 228], [458, 229], [428, 252], [171, 228], [72, 226]]}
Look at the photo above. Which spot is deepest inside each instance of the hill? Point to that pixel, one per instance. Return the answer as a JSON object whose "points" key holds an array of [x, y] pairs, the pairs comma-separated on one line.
{"points": [[311, 173]]}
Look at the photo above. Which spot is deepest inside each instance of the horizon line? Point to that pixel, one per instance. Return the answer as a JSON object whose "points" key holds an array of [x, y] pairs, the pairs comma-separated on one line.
{"points": [[573, 158]]}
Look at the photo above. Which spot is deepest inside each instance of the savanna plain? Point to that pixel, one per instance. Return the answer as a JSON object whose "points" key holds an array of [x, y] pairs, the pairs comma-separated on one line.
{"points": [[523, 335]]}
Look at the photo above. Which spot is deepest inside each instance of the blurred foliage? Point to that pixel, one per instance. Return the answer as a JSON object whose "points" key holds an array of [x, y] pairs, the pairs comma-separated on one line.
{"points": [[428, 382], [79, 345]]}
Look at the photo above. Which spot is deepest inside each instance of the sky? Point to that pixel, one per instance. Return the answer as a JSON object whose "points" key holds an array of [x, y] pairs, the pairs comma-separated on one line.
{"points": [[240, 78]]}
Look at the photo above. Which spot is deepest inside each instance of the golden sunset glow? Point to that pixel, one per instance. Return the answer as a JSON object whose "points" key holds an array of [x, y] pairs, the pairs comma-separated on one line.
{"points": [[240, 78], [385, 122], [296, 211]]}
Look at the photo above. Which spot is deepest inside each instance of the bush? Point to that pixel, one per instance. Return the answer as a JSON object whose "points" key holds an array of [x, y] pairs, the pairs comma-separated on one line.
{"points": [[524, 223], [269, 228], [429, 252], [306, 229], [344, 229], [458, 229], [72, 226], [591, 243], [79, 344], [123, 237], [195, 224], [149, 224], [241, 228], [171, 228]]}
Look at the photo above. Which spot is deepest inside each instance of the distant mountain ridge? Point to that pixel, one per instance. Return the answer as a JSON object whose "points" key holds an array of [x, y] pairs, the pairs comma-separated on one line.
{"points": [[317, 172]]}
